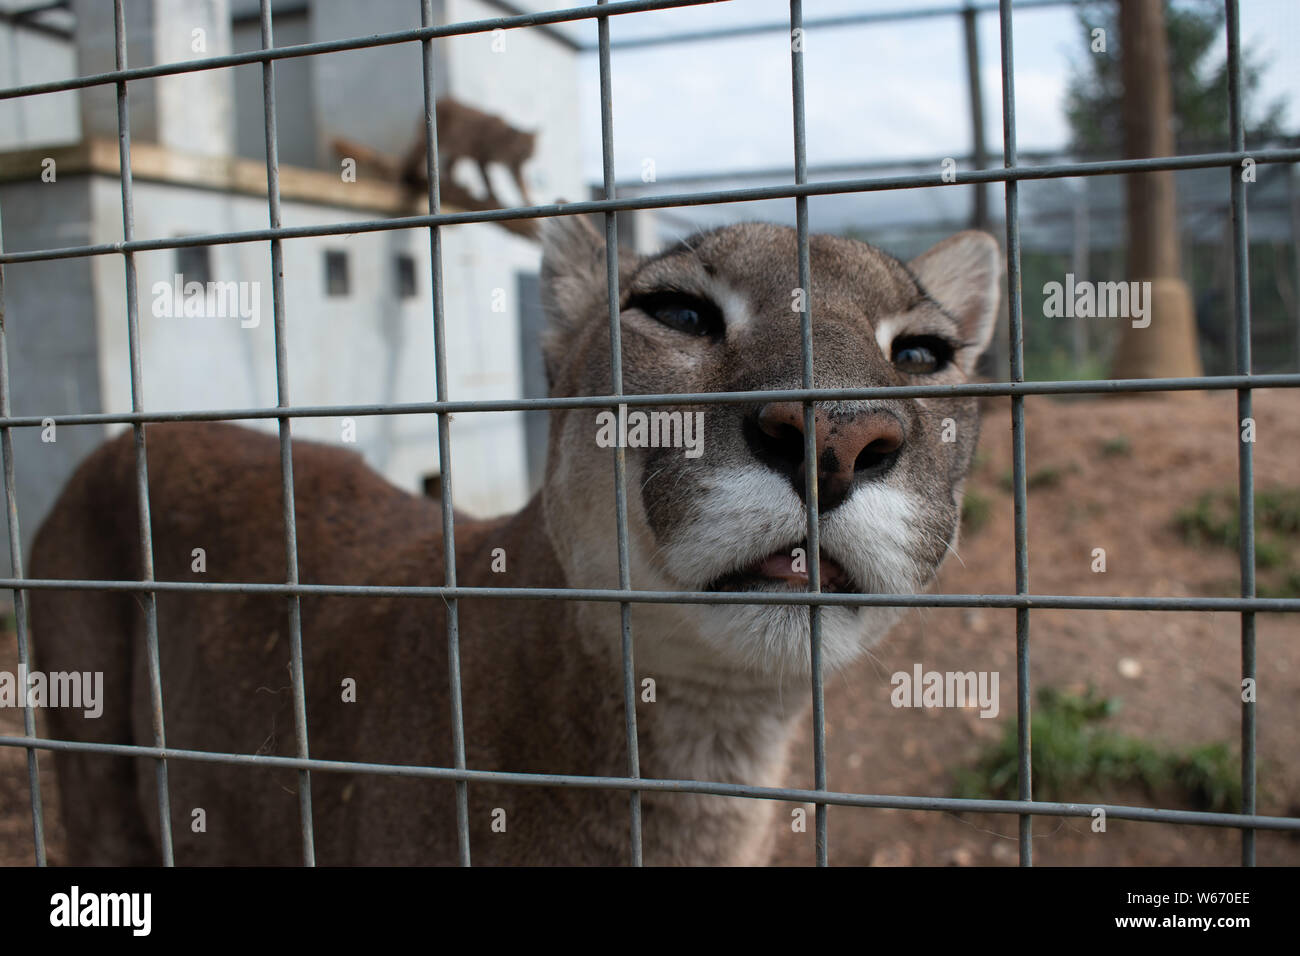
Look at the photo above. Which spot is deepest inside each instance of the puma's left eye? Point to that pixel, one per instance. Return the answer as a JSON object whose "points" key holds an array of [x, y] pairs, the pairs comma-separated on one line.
{"points": [[921, 355], [685, 313]]}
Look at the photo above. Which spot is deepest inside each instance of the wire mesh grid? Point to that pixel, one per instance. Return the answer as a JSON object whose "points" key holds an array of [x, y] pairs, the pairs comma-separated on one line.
{"points": [[1023, 601]]}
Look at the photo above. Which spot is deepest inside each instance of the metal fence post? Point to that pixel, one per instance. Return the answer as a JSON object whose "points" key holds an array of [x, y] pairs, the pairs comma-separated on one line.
{"points": [[149, 598]]}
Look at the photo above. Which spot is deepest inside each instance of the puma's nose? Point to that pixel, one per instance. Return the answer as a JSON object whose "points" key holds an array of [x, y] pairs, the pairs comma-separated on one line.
{"points": [[851, 448]]}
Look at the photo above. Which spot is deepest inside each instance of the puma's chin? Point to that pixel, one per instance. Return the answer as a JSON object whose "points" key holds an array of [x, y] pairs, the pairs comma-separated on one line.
{"points": [[874, 543], [751, 537], [773, 639]]}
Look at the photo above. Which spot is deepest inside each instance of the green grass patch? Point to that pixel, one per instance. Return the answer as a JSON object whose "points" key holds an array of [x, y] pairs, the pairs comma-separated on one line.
{"points": [[975, 511], [1076, 757], [1214, 521], [1287, 587], [1117, 447], [1048, 476]]}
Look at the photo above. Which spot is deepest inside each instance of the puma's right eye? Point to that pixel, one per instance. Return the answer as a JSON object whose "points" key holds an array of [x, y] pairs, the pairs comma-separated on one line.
{"points": [[685, 313], [921, 354]]}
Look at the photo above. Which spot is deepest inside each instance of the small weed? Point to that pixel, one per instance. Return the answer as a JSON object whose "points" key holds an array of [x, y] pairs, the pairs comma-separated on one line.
{"points": [[1048, 476], [1289, 587], [975, 510], [1213, 520], [1073, 755], [1117, 447]]}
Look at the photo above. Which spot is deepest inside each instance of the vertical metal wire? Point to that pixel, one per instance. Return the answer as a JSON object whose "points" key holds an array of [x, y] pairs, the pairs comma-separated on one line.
{"points": [[1245, 449], [809, 424], [620, 457], [148, 598], [444, 436], [286, 441], [1024, 742], [16, 561], [975, 92]]}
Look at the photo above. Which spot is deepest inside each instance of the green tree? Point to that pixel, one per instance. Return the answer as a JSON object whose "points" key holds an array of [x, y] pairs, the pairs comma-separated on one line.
{"points": [[1199, 75]]}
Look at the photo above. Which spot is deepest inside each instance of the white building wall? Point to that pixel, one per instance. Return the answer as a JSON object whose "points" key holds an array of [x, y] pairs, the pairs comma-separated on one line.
{"points": [[481, 263], [363, 348], [50, 334], [294, 96], [164, 110], [372, 96], [52, 119]]}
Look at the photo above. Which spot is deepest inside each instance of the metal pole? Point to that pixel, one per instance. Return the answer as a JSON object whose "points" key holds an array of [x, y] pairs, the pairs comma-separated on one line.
{"points": [[1245, 447], [288, 511], [148, 598], [620, 455], [444, 435], [16, 562], [979, 217], [1021, 505]]}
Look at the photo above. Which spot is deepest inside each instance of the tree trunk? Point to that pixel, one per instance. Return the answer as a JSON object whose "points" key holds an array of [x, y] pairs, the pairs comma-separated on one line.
{"points": [[1167, 346]]}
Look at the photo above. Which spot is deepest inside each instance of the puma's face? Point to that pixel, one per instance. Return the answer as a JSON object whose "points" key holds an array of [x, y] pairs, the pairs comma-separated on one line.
{"points": [[719, 313]]}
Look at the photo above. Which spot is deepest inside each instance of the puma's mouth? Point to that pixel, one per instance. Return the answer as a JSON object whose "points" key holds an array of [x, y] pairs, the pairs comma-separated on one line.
{"points": [[782, 570]]}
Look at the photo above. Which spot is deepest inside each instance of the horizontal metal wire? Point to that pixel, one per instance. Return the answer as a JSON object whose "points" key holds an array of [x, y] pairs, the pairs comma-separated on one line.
{"points": [[1082, 602], [351, 43], [825, 23], [794, 795], [698, 198], [1197, 383]]}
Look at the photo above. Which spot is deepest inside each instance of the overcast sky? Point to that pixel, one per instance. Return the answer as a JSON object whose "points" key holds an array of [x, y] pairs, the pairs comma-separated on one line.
{"points": [[878, 91]]}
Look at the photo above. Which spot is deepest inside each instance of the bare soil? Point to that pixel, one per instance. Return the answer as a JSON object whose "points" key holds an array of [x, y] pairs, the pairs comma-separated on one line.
{"points": [[1175, 674]]}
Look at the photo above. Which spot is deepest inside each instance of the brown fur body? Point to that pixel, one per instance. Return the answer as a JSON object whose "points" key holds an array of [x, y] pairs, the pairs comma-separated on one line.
{"points": [[226, 683]]}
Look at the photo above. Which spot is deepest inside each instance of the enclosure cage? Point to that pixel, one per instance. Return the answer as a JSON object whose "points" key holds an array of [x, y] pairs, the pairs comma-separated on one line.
{"points": [[1229, 162]]}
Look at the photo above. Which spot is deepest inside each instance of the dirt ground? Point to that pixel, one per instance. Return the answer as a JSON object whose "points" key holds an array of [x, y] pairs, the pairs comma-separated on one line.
{"points": [[1184, 689], [1175, 674]]}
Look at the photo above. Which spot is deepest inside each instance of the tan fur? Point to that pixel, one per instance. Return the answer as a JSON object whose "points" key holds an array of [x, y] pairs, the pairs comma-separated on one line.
{"points": [[542, 684]]}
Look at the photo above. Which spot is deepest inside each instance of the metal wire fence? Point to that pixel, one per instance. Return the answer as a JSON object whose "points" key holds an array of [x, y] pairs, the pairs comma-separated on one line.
{"points": [[292, 590]]}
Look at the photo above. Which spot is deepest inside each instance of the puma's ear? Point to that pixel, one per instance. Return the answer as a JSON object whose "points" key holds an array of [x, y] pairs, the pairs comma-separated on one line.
{"points": [[963, 274], [573, 283], [573, 271]]}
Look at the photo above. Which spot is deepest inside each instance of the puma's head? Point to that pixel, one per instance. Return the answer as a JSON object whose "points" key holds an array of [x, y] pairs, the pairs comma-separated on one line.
{"points": [[719, 312]]}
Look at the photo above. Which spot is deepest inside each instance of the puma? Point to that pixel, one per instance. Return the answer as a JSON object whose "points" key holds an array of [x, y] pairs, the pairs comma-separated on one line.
{"points": [[542, 680]]}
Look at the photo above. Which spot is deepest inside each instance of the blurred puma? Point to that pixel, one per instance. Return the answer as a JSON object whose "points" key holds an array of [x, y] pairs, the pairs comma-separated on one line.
{"points": [[469, 133], [463, 133]]}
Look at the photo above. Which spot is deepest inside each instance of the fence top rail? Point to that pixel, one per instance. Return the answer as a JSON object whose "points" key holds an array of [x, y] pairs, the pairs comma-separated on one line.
{"points": [[830, 22], [415, 35], [1011, 173], [516, 21]]}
